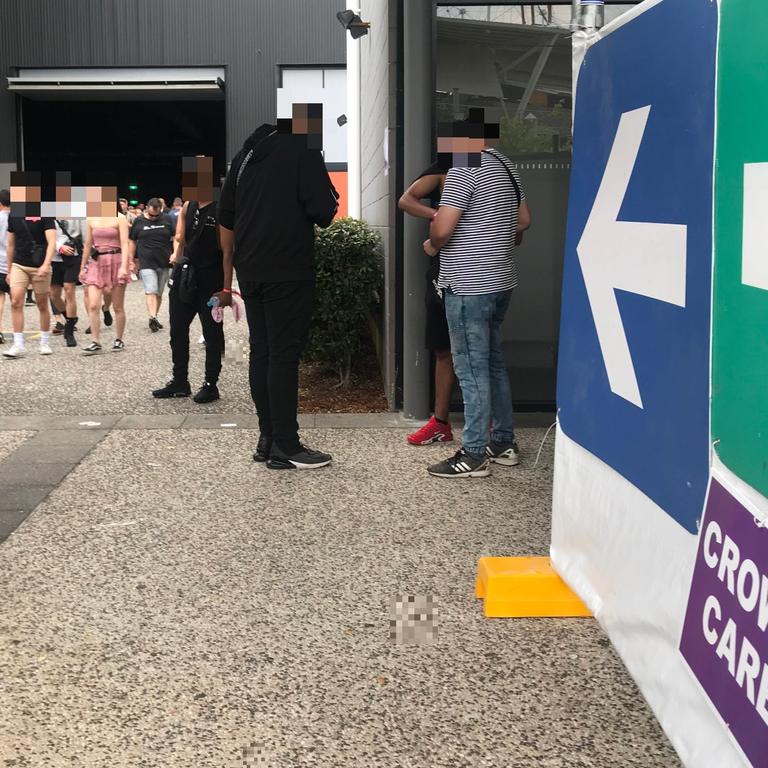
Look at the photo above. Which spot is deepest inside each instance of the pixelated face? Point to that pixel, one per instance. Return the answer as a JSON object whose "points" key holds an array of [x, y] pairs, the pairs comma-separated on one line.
{"points": [[152, 212], [306, 121], [197, 178], [459, 144], [70, 203], [26, 189], [101, 201]]}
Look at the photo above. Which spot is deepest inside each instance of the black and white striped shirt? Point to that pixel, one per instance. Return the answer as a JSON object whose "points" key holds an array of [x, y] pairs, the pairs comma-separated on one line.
{"points": [[479, 256]]}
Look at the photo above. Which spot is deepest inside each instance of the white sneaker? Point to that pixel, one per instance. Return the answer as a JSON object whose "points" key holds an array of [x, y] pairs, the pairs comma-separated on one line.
{"points": [[45, 349], [14, 351]]}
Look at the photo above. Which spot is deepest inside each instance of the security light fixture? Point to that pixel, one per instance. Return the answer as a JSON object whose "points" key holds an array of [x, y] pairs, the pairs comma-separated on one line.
{"points": [[353, 23]]}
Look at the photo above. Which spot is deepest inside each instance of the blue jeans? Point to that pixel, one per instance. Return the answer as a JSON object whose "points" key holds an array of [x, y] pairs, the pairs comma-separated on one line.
{"points": [[474, 323]]}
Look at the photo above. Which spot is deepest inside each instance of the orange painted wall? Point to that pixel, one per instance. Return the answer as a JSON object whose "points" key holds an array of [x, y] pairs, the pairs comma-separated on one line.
{"points": [[339, 179]]}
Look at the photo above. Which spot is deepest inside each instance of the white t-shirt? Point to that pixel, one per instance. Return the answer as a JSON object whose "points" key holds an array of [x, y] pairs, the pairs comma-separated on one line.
{"points": [[479, 257]]}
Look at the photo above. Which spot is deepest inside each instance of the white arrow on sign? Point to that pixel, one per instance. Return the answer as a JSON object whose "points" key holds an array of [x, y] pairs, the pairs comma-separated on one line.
{"points": [[638, 257], [754, 255]]}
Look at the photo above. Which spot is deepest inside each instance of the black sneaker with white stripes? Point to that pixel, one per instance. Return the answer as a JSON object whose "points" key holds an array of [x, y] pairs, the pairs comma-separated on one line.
{"points": [[507, 454], [304, 458], [461, 464]]}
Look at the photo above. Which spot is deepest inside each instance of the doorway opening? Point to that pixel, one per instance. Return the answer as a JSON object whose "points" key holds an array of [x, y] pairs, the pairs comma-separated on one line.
{"points": [[136, 146]]}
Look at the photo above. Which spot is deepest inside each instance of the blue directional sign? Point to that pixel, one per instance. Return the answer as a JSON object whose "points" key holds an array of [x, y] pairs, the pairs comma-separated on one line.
{"points": [[633, 382]]}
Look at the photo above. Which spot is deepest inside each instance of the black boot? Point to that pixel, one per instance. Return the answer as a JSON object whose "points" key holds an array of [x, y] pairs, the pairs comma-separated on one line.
{"points": [[69, 331]]}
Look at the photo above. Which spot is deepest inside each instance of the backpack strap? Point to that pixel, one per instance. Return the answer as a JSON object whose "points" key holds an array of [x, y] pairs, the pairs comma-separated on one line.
{"points": [[249, 156]]}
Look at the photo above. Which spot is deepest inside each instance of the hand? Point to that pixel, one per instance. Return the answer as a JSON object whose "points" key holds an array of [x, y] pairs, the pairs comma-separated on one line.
{"points": [[430, 249], [43, 271], [134, 267], [67, 250], [224, 297], [172, 260], [122, 273]]}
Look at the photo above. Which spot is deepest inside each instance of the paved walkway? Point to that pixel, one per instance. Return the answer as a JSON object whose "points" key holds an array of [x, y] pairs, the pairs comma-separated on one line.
{"points": [[167, 603], [117, 383]]}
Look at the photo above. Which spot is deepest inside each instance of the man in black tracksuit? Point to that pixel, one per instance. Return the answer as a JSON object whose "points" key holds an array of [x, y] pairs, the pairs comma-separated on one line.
{"points": [[276, 191]]}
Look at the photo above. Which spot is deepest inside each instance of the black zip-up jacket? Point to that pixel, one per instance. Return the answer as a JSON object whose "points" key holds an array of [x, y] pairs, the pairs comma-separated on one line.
{"points": [[283, 190]]}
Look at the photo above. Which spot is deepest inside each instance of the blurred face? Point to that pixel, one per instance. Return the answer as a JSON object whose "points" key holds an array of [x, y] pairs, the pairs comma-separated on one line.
{"points": [[197, 178], [101, 201], [153, 213]]}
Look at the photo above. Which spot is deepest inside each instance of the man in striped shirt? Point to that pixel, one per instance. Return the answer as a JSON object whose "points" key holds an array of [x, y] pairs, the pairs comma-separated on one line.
{"points": [[482, 211]]}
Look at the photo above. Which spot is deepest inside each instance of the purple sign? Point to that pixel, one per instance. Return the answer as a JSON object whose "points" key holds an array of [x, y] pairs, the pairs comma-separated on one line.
{"points": [[725, 635]]}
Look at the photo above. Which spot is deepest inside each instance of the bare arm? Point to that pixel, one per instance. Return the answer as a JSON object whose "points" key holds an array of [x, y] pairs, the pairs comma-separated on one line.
{"points": [[10, 250], [442, 228], [87, 245], [523, 217], [132, 254], [123, 227], [50, 250], [178, 241], [422, 188]]}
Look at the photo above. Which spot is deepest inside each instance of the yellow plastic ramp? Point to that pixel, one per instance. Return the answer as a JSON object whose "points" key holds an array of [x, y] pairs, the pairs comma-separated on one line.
{"points": [[517, 587]]}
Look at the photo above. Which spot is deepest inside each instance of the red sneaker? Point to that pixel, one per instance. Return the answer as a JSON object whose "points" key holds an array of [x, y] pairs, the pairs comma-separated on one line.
{"points": [[432, 432]]}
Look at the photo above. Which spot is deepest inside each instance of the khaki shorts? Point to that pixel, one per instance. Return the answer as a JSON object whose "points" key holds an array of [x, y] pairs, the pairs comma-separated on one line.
{"points": [[26, 277]]}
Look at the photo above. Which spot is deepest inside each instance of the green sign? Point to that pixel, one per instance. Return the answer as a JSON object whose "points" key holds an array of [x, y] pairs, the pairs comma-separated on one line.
{"points": [[740, 320]]}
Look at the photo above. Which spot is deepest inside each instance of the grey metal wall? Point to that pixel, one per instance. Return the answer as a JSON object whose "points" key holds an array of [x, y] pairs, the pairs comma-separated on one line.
{"points": [[249, 37]]}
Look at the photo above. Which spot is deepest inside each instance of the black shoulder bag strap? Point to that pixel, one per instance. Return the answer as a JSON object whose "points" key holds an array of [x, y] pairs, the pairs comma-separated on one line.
{"points": [[511, 175]]}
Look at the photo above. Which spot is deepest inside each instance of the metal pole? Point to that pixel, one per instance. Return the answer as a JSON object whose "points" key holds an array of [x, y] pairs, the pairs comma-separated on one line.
{"points": [[533, 80], [354, 164], [417, 155]]}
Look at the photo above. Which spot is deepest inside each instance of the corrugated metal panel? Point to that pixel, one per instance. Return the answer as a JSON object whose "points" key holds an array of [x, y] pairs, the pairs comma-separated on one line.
{"points": [[249, 37]]}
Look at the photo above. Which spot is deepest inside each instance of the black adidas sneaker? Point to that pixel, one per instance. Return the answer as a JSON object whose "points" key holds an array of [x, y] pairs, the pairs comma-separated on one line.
{"points": [[461, 464]]}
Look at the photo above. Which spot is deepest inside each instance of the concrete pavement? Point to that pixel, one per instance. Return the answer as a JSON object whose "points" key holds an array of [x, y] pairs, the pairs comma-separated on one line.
{"points": [[171, 604], [167, 603]]}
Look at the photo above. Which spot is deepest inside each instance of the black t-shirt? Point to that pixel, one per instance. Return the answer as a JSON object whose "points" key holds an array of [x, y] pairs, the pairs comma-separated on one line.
{"points": [[436, 169], [28, 232], [201, 239], [154, 241]]}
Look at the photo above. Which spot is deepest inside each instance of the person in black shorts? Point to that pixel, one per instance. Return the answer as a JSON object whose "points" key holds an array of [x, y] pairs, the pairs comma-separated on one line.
{"points": [[65, 272], [438, 429]]}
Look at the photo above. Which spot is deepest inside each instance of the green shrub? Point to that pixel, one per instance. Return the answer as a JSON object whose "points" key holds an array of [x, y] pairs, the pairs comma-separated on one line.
{"points": [[349, 277]]}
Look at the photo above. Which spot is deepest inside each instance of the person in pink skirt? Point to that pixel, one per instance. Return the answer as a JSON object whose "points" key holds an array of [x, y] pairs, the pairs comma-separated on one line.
{"points": [[105, 265]]}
